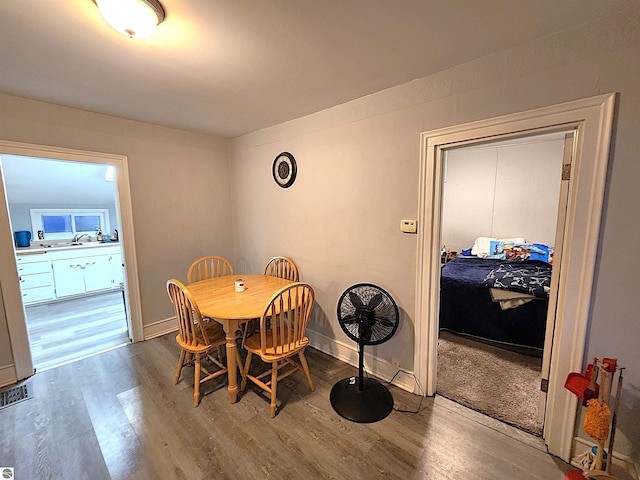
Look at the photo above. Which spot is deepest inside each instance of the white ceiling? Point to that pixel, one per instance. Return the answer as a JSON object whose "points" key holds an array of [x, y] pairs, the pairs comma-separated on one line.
{"points": [[49, 183], [230, 67]]}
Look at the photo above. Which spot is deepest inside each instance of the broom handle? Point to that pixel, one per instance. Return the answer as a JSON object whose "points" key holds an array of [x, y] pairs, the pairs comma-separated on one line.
{"points": [[603, 397], [594, 375], [603, 385], [599, 456], [616, 403]]}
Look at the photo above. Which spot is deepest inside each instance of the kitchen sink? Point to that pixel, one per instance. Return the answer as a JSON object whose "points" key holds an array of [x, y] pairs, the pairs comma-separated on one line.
{"points": [[68, 244]]}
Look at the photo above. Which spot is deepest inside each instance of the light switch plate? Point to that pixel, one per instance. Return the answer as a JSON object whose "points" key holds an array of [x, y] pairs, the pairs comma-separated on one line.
{"points": [[408, 226]]}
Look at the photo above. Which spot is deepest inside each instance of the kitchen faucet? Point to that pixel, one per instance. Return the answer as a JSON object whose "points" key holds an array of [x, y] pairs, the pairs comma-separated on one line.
{"points": [[77, 238]]}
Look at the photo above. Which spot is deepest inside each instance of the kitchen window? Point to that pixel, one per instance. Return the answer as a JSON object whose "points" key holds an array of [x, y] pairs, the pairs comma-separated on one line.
{"points": [[60, 224]]}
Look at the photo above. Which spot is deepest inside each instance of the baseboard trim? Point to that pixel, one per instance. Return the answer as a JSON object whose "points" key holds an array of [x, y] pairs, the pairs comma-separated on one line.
{"points": [[374, 366], [8, 375], [626, 463], [159, 328]]}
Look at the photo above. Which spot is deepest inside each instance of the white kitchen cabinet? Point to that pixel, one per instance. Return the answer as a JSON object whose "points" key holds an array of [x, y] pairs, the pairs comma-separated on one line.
{"points": [[117, 269], [69, 276], [36, 278], [82, 270], [97, 273]]}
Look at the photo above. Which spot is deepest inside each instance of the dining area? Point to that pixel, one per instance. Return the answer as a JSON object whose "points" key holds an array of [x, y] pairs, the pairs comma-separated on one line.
{"points": [[225, 321], [120, 415]]}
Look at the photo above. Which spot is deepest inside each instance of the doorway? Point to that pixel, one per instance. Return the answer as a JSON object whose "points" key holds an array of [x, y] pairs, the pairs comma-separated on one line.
{"points": [[491, 340], [70, 264], [18, 338], [592, 120]]}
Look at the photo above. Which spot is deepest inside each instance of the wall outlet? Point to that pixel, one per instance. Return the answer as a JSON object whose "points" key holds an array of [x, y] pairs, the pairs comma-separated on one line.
{"points": [[395, 362]]}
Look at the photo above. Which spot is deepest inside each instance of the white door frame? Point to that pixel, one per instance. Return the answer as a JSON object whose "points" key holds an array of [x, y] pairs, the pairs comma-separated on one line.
{"points": [[592, 119], [14, 309]]}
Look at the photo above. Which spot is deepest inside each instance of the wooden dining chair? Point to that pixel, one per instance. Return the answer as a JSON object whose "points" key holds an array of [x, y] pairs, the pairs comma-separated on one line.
{"points": [[281, 338], [208, 267], [197, 339], [282, 267]]}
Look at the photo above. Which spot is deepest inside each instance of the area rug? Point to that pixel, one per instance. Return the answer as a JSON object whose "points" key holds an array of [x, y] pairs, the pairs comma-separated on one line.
{"points": [[499, 383]]}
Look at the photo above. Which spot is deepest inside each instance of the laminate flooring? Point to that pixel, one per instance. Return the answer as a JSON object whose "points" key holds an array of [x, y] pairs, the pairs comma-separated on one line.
{"points": [[64, 331], [118, 415]]}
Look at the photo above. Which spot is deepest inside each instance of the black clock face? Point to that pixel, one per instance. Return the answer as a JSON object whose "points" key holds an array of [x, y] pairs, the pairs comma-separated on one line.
{"points": [[284, 169]]}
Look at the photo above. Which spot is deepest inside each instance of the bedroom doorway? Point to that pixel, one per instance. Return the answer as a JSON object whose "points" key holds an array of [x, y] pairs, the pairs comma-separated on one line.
{"points": [[592, 120], [491, 340]]}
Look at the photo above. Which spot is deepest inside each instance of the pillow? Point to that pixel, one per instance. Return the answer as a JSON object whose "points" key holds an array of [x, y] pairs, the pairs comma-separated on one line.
{"points": [[482, 245], [519, 251]]}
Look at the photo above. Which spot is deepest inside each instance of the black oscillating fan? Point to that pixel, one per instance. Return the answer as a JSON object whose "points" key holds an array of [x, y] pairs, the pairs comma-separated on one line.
{"points": [[368, 315]]}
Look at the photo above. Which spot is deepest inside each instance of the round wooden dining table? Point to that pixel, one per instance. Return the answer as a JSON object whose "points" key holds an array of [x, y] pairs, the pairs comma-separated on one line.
{"points": [[218, 300]]}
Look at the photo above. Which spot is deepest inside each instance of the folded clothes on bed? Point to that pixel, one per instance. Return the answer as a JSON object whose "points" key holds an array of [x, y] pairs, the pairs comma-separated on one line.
{"points": [[508, 299], [532, 277]]}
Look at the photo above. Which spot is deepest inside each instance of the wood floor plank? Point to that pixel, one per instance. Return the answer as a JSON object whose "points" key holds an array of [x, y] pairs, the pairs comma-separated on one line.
{"points": [[118, 441], [68, 330], [118, 415]]}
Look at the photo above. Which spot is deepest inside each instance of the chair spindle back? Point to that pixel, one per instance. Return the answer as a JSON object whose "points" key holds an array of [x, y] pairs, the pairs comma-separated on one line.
{"points": [[282, 267], [284, 321], [190, 323], [209, 267]]}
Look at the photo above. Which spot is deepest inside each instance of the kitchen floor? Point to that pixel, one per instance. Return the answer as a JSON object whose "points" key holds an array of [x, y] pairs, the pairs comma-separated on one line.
{"points": [[65, 331]]}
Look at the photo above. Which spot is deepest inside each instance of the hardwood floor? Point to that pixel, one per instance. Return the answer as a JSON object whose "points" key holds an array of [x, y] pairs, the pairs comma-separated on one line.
{"points": [[118, 415], [61, 332]]}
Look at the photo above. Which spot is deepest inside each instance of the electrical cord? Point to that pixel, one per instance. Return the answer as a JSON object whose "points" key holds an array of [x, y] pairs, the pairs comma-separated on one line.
{"points": [[390, 382], [417, 410]]}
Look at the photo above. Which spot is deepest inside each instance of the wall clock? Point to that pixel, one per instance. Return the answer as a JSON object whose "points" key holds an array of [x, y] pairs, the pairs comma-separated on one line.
{"points": [[285, 169]]}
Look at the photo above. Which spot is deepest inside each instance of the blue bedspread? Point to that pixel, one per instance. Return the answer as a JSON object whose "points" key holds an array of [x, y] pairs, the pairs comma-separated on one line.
{"points": [[532, 277], [466, 306]]}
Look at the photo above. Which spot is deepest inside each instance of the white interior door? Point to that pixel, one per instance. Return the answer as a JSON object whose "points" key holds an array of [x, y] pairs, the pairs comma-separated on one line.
{"points": [[567, 156]]}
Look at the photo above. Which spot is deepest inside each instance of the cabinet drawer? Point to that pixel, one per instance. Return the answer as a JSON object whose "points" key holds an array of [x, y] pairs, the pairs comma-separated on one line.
{"points": [[84, 252], [36, 280], [37, 294], [76, 252], [110, 250], [30, 268], [32, 257]]}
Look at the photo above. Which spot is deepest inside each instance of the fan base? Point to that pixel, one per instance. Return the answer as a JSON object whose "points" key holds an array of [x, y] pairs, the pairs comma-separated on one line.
{"points": [[370, 405]]}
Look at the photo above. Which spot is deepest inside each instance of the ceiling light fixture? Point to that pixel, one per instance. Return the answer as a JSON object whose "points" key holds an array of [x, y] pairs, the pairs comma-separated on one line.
{"points": [[109, 174], [133, 18]]}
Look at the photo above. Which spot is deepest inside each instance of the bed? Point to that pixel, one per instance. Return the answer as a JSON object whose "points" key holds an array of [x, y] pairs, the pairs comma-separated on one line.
{"points": [[496, 300]]}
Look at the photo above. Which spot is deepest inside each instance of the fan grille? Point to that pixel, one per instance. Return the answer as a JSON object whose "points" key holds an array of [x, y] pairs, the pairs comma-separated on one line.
{"points": [[368, 314]]}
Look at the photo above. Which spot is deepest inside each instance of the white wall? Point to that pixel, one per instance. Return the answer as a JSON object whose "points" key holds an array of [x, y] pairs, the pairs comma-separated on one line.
{"points": [[502, 190], [179, 187], [358, 177]]}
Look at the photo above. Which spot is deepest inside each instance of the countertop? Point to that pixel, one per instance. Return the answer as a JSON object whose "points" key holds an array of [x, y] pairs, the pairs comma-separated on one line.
{"points": [[45, 246]]}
